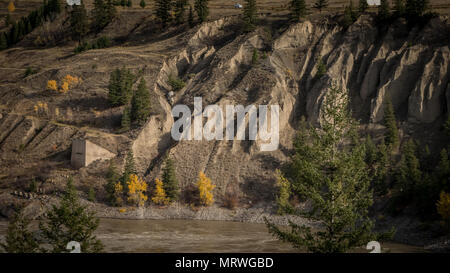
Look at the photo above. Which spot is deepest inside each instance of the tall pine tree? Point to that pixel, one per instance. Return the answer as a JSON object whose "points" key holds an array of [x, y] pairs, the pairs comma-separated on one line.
{"points": [[129, 169], [334, 179], [163, 8], [191, 17], [408, 175], [104, 12], [19, 239], [120, 86], [170, 180], [140, 103], [298, 9], [3, 41], [391, 135], [112, 177], [363, 6], [384, 11], [250, 15], [399, 8], [202, 9], [180, 10], [71, 221], [79, 21]]}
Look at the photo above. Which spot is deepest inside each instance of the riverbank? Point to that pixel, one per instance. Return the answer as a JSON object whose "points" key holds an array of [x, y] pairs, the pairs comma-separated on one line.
{"points": [[185, 212], [409, 230]]}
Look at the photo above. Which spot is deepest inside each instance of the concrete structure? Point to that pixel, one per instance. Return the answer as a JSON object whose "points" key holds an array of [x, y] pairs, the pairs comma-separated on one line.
{"points": [[85, 152], [373, 2]]}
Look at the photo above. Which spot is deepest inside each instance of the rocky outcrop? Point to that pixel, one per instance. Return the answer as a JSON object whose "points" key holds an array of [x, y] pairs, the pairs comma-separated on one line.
{"points": [[369, 62]]}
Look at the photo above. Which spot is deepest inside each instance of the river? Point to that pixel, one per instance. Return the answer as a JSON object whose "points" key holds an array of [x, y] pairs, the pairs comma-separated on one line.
{"points": [[196, 236]]}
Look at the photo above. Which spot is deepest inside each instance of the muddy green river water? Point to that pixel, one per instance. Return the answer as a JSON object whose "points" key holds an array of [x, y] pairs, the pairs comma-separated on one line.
{"points": [[196, 236]]}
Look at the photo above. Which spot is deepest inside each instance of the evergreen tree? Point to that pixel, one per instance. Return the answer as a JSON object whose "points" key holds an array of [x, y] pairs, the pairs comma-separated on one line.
{"points": [[298, 9], [255, 56], [111, 11], [191, 17], [13, 36], [384, 12], [112, 177], [320, 5], [363, 6], [8, 19], [202, 9], [426, 159], [382, 169], [371, 152], [391, 135], [348, 18], [91, 194], [129, 169], [129, 3], [399, 8], [140, 104], [354, 13], [21, 31], [442, 172], [54, 7], [125, 122], [71, 221], [447, 126], [334, 179], [416, 8], [79, 21], [120, 87], [321, 69], [163, 8], [180, 10], [3, 41], [29, 28], [19, 239], [250, 15], [170, 180], [408, 175], [142, 4], [104, 12]]}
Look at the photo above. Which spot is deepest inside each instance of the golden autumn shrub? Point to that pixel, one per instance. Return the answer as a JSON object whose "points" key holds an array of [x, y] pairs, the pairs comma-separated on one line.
{"points": [[64, 87], [52, 85], [205, 188], [159, 196], [11, 7], [443, 207], [67, 82], [136, 190]]}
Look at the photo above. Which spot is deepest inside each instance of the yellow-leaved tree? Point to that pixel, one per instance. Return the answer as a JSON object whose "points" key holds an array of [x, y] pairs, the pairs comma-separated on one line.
{"points": [[159, 196], [205, 188], [118, 192], [136, 190], [443, 207], [67, 82], [11, 7], [52, 85]]}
